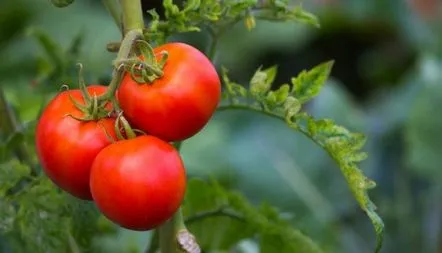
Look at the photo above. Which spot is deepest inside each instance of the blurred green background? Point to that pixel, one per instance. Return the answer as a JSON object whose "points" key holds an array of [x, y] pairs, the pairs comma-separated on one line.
{"points": [[386, 83]]}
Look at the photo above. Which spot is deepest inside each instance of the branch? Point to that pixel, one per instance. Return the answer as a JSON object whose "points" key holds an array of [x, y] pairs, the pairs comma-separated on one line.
{"points": [[132, 16], [217, 212], [270, 114], [175, 237]]}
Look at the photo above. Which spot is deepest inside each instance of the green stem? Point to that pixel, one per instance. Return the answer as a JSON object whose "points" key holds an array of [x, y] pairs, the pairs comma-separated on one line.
{"points": [[211, 50], [132, 16], [270, 114], [133, 24], [212, 213], [127, 129], [124, 53], [9, 125], [7, 118], [168, 232], [114, 9]]}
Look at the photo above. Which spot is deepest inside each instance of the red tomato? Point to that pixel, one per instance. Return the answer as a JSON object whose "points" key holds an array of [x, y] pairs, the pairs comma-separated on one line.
{"points": [[67, 147], [138, 183], [179, 104]]}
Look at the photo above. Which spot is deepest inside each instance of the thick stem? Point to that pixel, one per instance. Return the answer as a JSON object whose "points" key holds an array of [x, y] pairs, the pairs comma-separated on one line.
{"points": [[7, 118], [168, 233], [125, 50], [211, 49], [114, 9], [132, 16], [133, 24]]}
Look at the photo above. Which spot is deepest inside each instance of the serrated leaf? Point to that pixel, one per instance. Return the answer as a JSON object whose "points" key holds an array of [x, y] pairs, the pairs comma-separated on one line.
{"points": [[291, 107], [262, 80], [270, 100], [306, 17], [343, 146], [233, 89], [191, 5], [40, 220], [308, 83], [282, 93], [219, 15]]}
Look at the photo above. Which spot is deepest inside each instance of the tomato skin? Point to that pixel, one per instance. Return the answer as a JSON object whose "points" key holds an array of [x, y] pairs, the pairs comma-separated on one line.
{"points": [[138, 183], [179, 104], [67, 147]]}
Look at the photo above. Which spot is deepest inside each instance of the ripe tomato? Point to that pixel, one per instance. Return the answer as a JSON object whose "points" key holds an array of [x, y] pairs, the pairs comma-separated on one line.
{"points": [[180, 103], [67, 147], [138, 183]]}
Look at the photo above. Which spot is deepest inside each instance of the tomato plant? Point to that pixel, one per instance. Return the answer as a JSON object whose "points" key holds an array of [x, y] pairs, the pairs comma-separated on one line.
{"points": [[66, 146], [138, 183], [113, 144], [179, 104]]}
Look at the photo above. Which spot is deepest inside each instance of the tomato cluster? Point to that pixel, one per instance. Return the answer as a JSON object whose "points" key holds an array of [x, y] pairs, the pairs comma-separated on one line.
{"points": [[137, 182]]}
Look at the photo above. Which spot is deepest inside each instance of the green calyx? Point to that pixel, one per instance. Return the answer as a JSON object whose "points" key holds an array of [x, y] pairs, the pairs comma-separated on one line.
{"points": [[147, 68], [93, 109], [122, 125]]}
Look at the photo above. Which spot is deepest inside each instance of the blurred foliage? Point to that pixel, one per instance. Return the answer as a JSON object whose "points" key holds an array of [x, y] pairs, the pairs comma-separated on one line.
{"points": [[386, 83]]}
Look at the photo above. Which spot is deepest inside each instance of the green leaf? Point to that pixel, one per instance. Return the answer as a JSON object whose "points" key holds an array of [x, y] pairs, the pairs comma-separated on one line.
{"points": [[191, 5], [209, 205], [305, 17], [277, 10], [233, 89], [282, 93], [7, 216], [40, 220], [84, 220], [275, 234], [278, 97], [262, 80], [291, 107], [218, 16], [201, 199], [14, 140], [344, 147], [308, 83], [11, 173], [341, 144]]}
